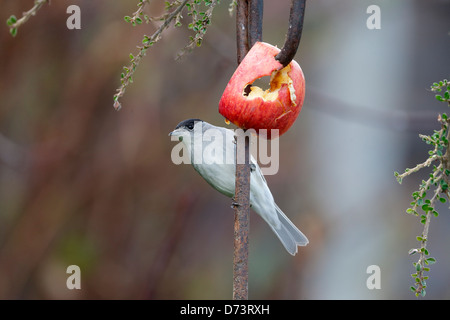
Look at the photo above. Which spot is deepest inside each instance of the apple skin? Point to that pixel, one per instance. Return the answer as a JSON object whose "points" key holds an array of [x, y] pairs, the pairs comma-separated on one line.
{"points": [[283, 101]]}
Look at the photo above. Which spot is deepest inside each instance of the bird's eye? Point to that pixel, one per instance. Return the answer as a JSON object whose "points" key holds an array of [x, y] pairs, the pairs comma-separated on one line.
{"points": [[190, 126]]}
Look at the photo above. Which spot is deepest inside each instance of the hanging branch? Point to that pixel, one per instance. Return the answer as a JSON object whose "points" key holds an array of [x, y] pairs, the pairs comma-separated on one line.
{"points": [[432, 191], [201, 19], [127, 76]]}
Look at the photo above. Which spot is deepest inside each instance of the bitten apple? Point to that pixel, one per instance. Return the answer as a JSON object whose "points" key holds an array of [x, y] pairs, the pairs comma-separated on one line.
{"points": [[250, 107]]}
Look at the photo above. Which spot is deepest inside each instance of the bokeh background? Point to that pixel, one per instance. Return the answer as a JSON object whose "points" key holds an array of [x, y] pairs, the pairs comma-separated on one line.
{"points": [[82, 184]]}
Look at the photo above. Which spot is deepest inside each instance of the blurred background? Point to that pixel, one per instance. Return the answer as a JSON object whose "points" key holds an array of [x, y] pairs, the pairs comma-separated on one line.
{"points": [[82, 184]]}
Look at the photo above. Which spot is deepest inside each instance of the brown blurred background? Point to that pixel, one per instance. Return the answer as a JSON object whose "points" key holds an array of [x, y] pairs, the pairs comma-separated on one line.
{"points": [[82, 184]]}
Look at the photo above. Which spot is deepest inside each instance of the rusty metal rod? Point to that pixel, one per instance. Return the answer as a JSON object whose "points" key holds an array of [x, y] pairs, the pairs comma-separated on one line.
{"points": [[241, 221], [242, 29], [255, 15], [248, 31], [294, 34]]}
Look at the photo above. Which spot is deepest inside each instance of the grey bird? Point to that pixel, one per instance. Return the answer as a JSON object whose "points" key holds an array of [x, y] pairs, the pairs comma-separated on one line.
{"points": [[219, 170]]}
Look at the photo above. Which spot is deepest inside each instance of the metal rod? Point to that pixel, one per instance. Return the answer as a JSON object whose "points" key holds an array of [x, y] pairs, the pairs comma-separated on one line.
{"points": [[294, 34], [241, 222], [246, 34], [256, 8], [241, 29]]}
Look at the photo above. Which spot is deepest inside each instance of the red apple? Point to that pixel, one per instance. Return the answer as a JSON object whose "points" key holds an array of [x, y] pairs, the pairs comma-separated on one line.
{"points": [[250, 107]]}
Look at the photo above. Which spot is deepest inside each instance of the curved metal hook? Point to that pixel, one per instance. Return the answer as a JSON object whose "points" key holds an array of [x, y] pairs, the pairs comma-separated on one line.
{"points": [[296, 17]]}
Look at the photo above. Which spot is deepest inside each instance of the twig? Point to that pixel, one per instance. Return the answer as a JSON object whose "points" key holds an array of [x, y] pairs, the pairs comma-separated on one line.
{"points": [[418, 167], [15, 24], [147, 43], [200, 23], [439, 179]]}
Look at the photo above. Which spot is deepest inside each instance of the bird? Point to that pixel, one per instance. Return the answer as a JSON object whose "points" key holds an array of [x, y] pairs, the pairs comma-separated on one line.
{"points": [[219, 170]]}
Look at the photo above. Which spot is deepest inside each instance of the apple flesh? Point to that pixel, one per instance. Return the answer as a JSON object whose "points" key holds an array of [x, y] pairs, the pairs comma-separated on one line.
{"points": [[249, 106]]}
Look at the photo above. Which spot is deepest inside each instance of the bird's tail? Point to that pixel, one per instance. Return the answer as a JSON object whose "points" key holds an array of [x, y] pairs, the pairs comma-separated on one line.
{"points": [[288, 233]]}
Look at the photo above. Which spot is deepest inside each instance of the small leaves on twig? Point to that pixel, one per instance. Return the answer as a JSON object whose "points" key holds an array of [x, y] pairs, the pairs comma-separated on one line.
{"points": [[435, 188], [438, 87], [173, 13], [200, 21], [147, 42], [14, 23]]}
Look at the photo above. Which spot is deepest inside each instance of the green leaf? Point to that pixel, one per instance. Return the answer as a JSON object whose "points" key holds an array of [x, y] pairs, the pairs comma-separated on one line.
{"points": [[431, 260], [439, 98], [11, 20], [13, 31], [423, 219]]}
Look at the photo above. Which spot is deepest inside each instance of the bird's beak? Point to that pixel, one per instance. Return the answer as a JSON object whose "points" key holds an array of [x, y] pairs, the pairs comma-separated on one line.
{"points": [[176, 133]]}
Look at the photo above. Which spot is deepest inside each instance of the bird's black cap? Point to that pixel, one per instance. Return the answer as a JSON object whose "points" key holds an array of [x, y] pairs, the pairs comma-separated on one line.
{"points": [[189, 123]]}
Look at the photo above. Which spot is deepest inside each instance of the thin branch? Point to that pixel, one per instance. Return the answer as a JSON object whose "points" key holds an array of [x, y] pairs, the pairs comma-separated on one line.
{"points": [[422, 262], [418, 167], [148, 42], [199, 25], [15, 24]]}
